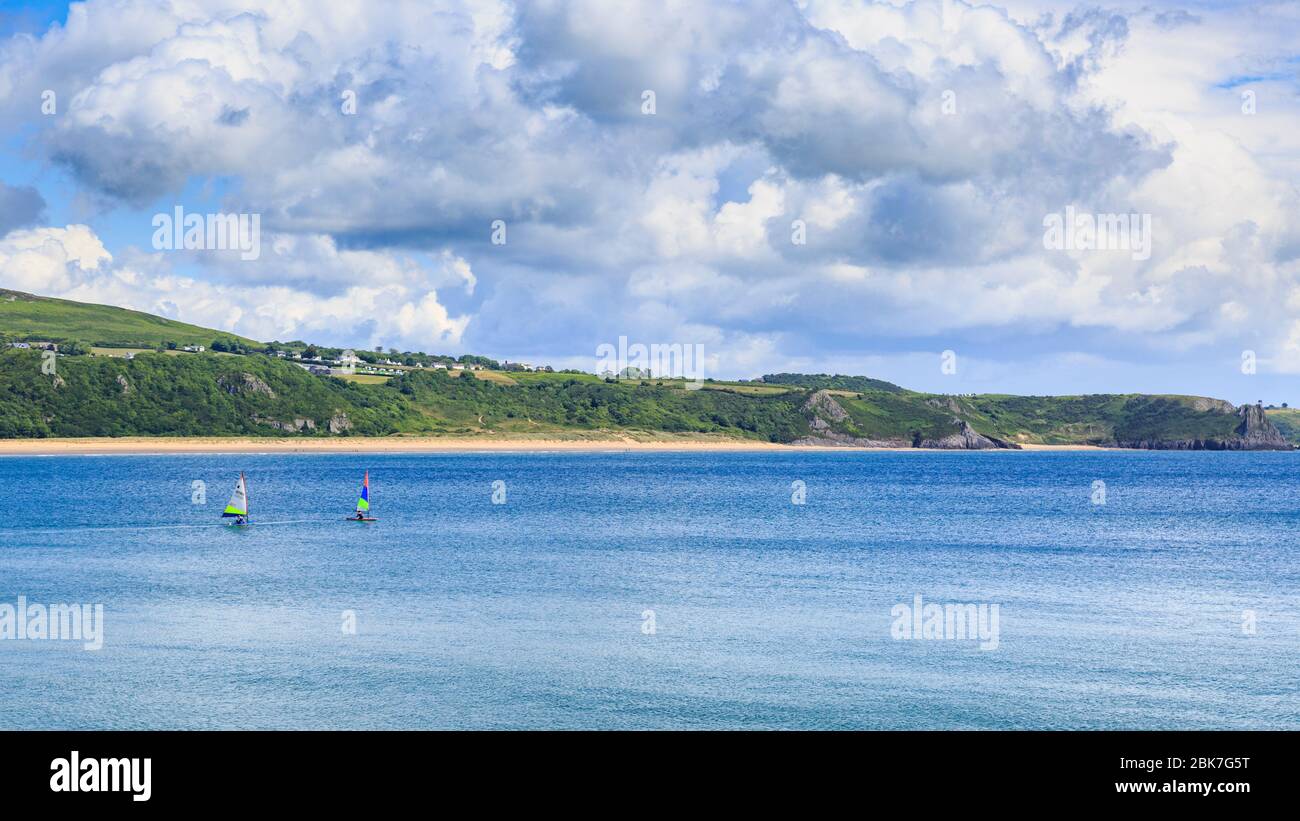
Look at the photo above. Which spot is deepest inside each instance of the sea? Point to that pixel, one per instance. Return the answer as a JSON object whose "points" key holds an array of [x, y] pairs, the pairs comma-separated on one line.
{"points": [[685, 590]]}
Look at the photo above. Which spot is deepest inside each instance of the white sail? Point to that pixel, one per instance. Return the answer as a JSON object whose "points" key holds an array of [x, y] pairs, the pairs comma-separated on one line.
{"points": [[238, 505]]}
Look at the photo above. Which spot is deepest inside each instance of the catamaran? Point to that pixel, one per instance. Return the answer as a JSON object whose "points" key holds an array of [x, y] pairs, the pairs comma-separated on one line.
{"points": [[238, 504], [363, 503]]}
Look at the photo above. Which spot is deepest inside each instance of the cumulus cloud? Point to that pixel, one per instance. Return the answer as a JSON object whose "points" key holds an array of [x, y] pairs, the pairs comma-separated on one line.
{"points": [[918, 144], [20, 207], [388, 301]]}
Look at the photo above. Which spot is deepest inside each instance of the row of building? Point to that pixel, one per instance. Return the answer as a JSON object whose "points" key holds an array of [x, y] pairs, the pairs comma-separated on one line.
{"points": [[351, 363], [347, 363]]}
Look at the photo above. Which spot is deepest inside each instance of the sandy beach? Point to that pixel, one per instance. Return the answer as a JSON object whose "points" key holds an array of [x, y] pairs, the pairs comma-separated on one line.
{"points": [[407, 444]]}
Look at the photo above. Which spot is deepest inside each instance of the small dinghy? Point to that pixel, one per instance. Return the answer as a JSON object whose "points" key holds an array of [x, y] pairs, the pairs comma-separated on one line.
{"points": [[363, 503], [237, 507]]}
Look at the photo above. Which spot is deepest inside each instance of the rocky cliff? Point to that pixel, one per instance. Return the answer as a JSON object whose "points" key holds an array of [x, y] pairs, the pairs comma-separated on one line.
{"points": [[1253, 432], [966, 438], [827, 421], [824, 414]]}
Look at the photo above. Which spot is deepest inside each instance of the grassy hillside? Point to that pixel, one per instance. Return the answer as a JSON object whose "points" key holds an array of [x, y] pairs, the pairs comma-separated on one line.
{"points": [[894, 415], [211, 394], [444, 404], [1287, 421], [208, 394], [156, 394], [1098, 418], [160, 395], [24, 316], [1102, 419], [818, 381]]}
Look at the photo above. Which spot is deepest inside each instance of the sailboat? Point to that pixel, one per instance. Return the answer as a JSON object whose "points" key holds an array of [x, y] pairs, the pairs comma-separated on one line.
{"points": [[238, 504], [363, 503]]}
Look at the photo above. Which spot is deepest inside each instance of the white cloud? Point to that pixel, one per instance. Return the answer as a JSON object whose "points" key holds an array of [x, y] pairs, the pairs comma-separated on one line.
{"points": [[922, 220], [43, 260], [387, 303]]}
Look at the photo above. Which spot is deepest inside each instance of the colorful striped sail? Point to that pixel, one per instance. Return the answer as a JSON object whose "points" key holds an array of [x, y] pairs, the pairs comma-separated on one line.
{"points": [[238, 504], [363, 502]]}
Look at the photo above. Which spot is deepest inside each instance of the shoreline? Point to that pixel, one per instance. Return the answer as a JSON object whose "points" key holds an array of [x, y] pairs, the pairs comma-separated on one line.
{"points": [[144, 445]]}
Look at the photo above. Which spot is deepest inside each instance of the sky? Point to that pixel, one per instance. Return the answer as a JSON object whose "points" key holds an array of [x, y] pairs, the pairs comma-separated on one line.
{"points": [[900, 190]]}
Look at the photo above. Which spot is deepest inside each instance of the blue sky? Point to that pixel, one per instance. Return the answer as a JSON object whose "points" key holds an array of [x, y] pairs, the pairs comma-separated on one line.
{"points": [[30, 16], [915, 149]]}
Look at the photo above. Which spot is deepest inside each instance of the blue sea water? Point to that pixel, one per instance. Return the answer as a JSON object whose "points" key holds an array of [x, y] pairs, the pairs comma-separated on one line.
{"points": [[766, 614]]}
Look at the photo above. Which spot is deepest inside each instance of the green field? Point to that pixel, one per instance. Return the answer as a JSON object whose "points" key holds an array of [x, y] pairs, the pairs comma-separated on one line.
{"points": [[363, 378], [97, 351], [1287, 420], [28, 317]]}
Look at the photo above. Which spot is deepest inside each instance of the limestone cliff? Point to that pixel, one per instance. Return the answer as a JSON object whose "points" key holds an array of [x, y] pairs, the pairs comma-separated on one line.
{"points": [[828, 421], [966, 438], [1254, 432]]}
